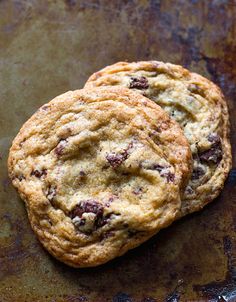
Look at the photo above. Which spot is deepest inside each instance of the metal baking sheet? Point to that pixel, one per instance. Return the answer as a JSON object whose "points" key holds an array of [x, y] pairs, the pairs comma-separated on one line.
{"points": [[49, 47]]}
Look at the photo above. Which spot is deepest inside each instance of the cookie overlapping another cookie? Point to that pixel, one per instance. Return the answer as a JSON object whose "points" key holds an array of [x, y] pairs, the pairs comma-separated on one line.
{"points": [[101, 170]]}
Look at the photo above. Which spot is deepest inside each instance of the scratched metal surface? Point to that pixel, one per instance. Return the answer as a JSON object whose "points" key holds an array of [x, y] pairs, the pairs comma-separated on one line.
{"points": [[49, 47]]}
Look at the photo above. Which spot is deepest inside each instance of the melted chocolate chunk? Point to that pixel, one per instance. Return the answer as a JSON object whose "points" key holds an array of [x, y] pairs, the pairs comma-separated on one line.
{"points": [[115, 159], [90, 206], [139, 83], [38, 173], [214, 154], [164, 172], [198, 172], [60, 147]]}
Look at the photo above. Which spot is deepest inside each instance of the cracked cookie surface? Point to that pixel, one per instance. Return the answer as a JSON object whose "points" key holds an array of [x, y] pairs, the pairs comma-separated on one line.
{"points": [[197, 105], [100, 171]]}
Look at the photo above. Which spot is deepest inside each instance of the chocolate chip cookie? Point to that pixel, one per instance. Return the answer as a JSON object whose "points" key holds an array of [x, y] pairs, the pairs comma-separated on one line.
{"points": [[197, 105], [100, 171]]}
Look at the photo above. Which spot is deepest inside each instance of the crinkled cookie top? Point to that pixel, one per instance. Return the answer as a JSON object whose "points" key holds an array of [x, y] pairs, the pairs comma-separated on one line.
{"points": [[100, 171]]}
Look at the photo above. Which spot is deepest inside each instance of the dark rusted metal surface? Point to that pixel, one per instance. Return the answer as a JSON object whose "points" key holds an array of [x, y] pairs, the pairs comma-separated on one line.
{"points": [[48, 47]]}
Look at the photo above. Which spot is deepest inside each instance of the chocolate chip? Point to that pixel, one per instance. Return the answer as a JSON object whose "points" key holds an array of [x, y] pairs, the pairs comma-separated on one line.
{"points": [[164, 171], [214, 154], [60, 147], [198, 172], [89, 206], [139, 83], [82, 173], [51, 192], [38, 173], [115, 159]]}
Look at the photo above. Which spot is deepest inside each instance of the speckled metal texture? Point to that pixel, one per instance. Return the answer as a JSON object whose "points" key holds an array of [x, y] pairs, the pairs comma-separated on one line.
{"points": [[49, 47]]}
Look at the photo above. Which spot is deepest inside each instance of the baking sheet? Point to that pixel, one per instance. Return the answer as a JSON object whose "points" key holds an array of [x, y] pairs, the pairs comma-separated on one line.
{"points": [[49, 47]]}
